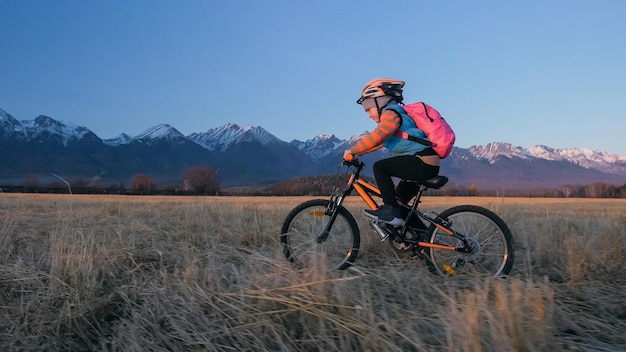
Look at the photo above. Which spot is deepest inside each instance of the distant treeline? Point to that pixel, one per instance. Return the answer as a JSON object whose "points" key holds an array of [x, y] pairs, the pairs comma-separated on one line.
{"points": [[324, 186], [97, 190]]}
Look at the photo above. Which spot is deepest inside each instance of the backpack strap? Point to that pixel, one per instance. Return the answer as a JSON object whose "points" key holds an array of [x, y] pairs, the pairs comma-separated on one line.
{"points": [[419, 140]]}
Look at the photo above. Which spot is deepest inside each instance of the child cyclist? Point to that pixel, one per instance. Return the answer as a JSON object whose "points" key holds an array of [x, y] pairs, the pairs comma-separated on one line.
{"points": [[409, 160]]}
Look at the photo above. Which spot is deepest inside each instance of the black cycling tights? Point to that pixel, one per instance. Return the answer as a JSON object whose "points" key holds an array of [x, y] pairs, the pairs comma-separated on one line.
{"points": [[406, 167]]}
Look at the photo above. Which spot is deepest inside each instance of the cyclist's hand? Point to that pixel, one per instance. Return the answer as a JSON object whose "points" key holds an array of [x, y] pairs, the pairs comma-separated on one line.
{"points": [[347, 155]]}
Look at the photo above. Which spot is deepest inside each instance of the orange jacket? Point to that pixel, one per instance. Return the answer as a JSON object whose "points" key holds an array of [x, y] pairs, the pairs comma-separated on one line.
{"points": [[389, 122]]}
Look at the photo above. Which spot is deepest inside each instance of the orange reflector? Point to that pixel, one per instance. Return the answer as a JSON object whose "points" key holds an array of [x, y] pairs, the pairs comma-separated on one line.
{"points": [[448, 269], [317, 213]]}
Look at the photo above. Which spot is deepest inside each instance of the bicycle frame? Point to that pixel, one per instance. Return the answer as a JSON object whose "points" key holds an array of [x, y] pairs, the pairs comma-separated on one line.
{"points": [[366, 191]]}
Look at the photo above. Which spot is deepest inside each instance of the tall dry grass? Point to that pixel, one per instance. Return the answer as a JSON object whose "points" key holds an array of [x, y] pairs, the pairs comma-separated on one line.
{"points": [[117, 273]]}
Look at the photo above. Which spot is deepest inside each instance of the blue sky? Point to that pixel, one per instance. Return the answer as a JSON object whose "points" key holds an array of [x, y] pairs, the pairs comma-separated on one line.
{"points": [[548, 72]]}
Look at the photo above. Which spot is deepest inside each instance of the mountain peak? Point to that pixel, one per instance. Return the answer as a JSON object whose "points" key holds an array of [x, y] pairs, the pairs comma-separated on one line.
{"points": [[159, 132], [5, 115], [8, 122], [221, 138], [231, 126], [122, 138], [47, 121], [325, 137], [64, 131], [320, 146], [495, 149]]}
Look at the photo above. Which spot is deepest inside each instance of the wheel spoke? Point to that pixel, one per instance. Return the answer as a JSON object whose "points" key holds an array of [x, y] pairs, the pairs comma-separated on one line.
{"points": [[488, 239], [306, 223]]}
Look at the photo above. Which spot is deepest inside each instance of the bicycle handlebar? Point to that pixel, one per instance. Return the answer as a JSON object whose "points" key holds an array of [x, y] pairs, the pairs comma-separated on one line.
{"points": [[353, 162]]}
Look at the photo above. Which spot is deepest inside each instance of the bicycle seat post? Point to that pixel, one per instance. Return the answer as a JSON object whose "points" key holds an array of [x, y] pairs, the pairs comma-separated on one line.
{"points": [[418, 197]]}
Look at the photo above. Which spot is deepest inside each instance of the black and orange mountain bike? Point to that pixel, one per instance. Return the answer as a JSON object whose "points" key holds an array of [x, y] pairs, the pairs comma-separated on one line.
{"points": [[461, 240]]}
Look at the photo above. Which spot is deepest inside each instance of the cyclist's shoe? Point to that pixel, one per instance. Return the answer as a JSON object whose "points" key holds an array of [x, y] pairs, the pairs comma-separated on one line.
{"points": [[387, 214]]}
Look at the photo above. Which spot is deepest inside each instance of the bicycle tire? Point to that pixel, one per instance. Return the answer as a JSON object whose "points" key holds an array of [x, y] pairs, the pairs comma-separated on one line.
{"points": [[490, 238], [304, 224]]}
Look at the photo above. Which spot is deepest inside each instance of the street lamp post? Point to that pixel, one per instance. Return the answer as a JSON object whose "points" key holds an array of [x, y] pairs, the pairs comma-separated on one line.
{"points": [[62, 179]]}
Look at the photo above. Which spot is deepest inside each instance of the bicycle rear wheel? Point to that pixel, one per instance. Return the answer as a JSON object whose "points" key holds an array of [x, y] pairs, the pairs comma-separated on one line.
{"points": [[302, 228], [490, 243]]}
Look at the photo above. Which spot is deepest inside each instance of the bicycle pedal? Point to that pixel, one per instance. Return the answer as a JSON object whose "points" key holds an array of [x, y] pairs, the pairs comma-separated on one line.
{"points": [[381, 230], [382, 223], [377, 222]]}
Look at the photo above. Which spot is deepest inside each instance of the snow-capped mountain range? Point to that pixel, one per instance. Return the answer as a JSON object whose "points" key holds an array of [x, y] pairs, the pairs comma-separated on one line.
{"points": [[29, 130], [221, 138], [46, 145], [600, 160]]}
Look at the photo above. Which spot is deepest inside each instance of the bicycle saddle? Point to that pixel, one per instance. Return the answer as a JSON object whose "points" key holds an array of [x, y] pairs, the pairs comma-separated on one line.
{"points": [[435, 182]]}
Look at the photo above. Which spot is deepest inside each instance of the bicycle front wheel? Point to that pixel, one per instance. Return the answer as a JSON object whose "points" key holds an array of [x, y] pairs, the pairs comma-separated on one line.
{"points": [[489, 249], [303, 244]]}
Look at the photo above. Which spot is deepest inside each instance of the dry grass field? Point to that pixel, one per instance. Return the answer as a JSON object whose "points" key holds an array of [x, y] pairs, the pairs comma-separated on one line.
{"points": [[123, 273]]}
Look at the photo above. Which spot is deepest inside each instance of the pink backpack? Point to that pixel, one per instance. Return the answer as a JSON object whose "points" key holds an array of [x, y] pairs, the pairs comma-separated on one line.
{"points": [[427, 119]]}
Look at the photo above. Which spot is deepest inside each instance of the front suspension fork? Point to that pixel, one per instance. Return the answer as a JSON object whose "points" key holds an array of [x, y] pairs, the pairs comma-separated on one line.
{"points": [[331, 210]]}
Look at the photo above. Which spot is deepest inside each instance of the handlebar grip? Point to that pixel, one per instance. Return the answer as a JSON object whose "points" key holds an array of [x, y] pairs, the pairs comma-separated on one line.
{"points": [[354, 161]]}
